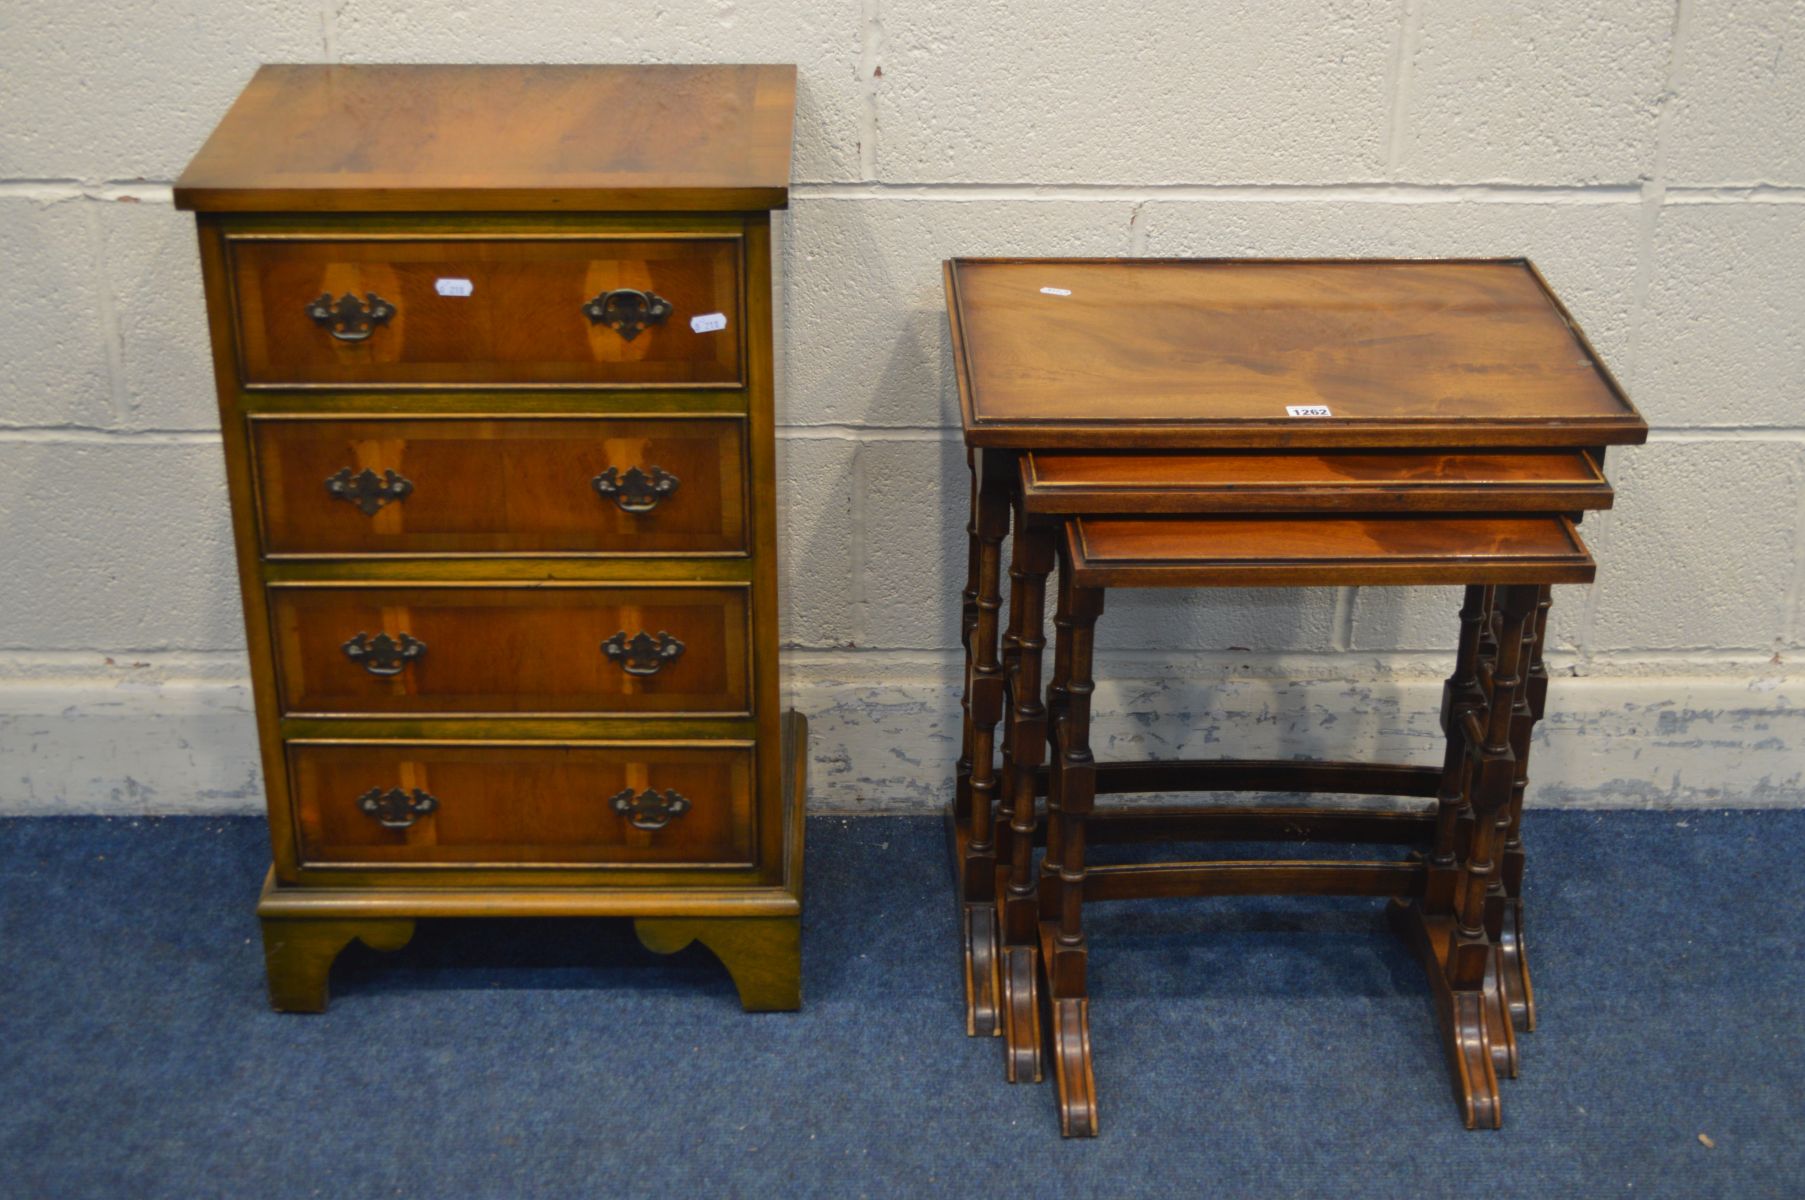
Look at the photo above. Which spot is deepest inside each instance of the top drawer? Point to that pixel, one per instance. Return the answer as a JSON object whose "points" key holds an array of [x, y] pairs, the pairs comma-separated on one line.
{"points": [[486, 312]]}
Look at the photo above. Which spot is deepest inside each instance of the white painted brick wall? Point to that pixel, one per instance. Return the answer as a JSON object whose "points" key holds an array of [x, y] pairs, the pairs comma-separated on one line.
{"points": [[1646, 153]]}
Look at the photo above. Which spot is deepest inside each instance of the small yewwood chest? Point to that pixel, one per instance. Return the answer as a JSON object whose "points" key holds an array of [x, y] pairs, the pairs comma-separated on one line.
{"points": [[494, 357]]}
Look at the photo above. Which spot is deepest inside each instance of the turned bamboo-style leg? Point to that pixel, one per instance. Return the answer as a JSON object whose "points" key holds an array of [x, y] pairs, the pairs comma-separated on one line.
{"points": [[1513, 954], [763, 955], [1063, 950], [1025, 747], [1460, 695], [298, 954], [1048, 888], [1002, 833], [968, 623], [1471, 1002], [984, 703]]}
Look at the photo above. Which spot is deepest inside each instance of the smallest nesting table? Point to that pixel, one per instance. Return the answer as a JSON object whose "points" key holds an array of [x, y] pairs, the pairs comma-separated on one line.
{"points": [[1232, 423]]}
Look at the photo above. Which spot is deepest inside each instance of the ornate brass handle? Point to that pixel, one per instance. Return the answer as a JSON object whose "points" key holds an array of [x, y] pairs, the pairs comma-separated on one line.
{"points": [[382, 654], [396, 809], [642, 654], [637, 491], [349, 319], [650, 809], [368, 490], [627, 311]]}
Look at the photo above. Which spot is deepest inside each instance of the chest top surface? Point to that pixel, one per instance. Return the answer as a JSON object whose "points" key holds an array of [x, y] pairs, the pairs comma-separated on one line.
{"points": [[1111, 353], [309, 138]]}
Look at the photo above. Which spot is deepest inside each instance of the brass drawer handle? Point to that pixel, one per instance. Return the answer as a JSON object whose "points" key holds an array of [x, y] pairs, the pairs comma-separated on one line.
{"points": [[349, 319], [650, 809], [368, 490], [627, 311], [637, 491], [396, 809], [383, 655], [642, 654]]}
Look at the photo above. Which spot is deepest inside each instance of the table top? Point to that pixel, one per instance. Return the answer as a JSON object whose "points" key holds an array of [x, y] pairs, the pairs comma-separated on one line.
{"points": [[314, 138], [1201, 353]]}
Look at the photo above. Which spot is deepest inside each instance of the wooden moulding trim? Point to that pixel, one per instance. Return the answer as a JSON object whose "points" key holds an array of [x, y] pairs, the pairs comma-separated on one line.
{"points": [[1397, 573], [1345, 434], [591, 714], [480, 405], [269, 416], [524, 901], [1050, 497], [480, 200], [1398, 570], [955, 320], [612, 585], [1216, 824], [306, 556], [1259, 775], [637, 570], [525, 729], [1304, 877]]}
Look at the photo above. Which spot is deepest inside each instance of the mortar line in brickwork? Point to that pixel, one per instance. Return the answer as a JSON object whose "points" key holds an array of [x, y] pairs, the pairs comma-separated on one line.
{"points": [[1792, 623], [1742, 193], [1727, 433], [1137, 231], [871, 69], [938, 433], [159, 191], [93, 435], [859, 552], [1341, 636], [1402, 75], [51, 191], [88, 435], [1369, 191], [80, 436], [329, 30], [868, 433], [1317, 665], [106, 312], [16, 664], [1654, 190]]}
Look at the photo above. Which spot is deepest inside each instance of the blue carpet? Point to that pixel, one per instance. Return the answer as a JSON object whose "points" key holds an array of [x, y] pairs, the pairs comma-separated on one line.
{"points": [[1257, 1048]]}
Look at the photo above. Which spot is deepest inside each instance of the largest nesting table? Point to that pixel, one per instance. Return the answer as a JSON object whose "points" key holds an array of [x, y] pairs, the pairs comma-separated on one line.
{"points": [[1247, 423]]}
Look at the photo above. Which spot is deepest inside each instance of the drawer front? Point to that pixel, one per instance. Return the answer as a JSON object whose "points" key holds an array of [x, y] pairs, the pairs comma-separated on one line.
{"points": [[511, 649], [488, 312], [462, 804], [508, 486]]}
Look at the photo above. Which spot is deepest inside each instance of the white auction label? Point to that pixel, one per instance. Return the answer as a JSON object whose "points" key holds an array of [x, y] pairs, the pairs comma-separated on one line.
{"points": [[708, 322], [1055, 291], [453, 287], [1308, 410]]}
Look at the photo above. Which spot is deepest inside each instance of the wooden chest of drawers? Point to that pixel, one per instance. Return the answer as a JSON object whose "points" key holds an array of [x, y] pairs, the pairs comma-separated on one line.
{"points": [[494, 361]]}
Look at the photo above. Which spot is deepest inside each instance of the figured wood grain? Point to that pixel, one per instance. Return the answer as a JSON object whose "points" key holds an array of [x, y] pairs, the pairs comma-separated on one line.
{"points": [[506, 649], [542, 187], [1244, 551], [521, 323], [1154, 353], [1255, 481], [307, 137], [525, 804], [507, 486]]}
